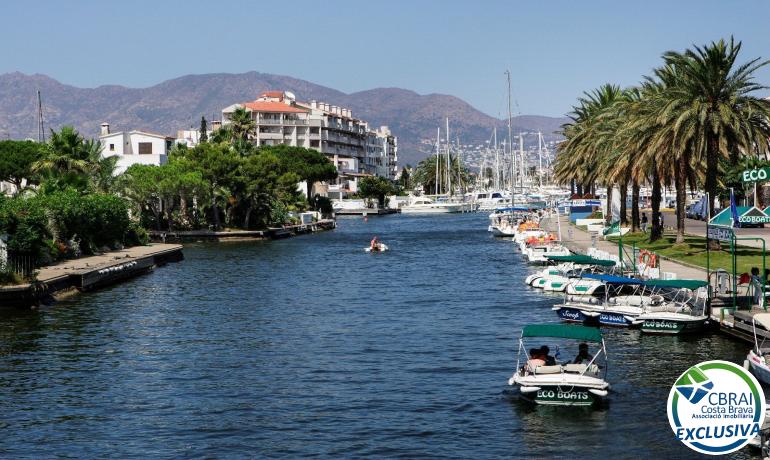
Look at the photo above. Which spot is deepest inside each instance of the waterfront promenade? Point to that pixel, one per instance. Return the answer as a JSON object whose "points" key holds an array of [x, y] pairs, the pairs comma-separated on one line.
{"points": [[89, 273], [579, 241]]}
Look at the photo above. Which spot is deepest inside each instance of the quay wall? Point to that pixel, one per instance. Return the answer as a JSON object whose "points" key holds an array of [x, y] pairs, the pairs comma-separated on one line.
{"points": [[240, 235], [89, 273]]}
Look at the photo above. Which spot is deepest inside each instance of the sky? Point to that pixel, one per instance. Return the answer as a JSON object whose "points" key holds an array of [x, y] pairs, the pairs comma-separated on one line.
{"points": [[555, 50]]}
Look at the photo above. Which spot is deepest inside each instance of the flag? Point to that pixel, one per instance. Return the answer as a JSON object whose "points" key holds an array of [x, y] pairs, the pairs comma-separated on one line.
{"points": [[614, 228], [734, 210]]}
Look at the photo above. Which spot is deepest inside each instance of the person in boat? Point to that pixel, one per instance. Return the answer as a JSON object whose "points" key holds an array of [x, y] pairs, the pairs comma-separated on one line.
{"points": [[375, 244], [545, 354], [535, 360], [583, 357]]}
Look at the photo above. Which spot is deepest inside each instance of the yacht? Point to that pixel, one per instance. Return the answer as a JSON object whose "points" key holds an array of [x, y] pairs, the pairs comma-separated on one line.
{"points": [[425, 205]]}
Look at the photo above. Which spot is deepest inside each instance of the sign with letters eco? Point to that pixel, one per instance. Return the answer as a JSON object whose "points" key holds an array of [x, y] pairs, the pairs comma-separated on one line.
{"points": [[756, 175]]}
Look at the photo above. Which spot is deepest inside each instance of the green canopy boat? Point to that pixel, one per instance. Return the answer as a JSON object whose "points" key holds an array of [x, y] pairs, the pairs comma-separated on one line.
{"points": [[684, 310], [579, 383], [582, 260]]}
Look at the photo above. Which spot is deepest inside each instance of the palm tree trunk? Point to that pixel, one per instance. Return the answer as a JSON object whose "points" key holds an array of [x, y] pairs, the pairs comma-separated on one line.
{"points": [[572, 186], [657, 196], [248, 217], [608, 214], [623, 196], [712, 167], [634, 206], [579, 190], [214, 209], [680, 170]]}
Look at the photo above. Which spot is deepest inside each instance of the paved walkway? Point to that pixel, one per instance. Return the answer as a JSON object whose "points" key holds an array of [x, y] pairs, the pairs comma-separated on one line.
{"points": [[579, 241], [101, 261]]}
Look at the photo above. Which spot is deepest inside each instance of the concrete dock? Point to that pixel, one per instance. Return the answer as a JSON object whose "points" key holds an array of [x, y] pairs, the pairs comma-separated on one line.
{"points": [[242, 235], [89, 273]]}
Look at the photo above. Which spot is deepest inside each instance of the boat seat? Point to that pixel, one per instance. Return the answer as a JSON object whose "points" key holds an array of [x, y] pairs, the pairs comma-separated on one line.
{"points": [[580, 368], [548, 369]]}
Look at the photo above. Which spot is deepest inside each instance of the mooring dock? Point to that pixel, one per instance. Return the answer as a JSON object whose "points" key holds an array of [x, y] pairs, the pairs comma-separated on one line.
{"points": [[89, 273]]}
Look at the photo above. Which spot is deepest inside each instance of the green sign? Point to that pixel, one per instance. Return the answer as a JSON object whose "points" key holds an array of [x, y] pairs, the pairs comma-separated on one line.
{"points": [[756, 175]]}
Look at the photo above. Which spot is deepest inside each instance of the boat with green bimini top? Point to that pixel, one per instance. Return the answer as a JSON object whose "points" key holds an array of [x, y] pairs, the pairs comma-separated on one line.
{"points": [[683, 311], [542, 380], [563, 270]]}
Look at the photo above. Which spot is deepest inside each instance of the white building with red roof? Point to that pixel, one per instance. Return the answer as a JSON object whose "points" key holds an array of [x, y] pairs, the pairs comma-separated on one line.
{"points": [[346, 141]]}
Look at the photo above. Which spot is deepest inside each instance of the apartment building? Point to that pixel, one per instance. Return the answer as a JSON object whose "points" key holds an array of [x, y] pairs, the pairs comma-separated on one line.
{"points": [[346, 141]]}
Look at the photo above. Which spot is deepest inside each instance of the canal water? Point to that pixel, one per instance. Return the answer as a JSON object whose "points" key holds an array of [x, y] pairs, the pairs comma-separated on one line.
{"points": [[310, 347]]}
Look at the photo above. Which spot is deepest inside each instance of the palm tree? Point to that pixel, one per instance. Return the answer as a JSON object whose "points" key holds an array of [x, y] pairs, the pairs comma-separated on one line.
{"points": [[713, 112], [241, 124]]}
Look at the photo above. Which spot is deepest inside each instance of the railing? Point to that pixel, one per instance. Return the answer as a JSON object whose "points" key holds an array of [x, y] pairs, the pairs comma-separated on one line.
{"points": [[23, 264]]}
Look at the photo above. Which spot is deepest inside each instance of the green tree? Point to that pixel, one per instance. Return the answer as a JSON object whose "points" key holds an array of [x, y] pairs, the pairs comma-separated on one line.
{"points": [[242, 126], [16, 161], [375, 187], [203, 132], [310, 165]]}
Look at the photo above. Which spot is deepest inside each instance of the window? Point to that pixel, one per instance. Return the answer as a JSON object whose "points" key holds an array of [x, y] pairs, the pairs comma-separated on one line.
{"points": [[145, 148], [314, 143], [112, 147]]}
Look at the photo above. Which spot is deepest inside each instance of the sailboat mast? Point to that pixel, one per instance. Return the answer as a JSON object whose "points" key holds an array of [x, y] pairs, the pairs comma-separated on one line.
{"points": [[40, 125], [438, 155], [448, 162], [540, 155], [522, 170], [497, 162], [510, 138]]}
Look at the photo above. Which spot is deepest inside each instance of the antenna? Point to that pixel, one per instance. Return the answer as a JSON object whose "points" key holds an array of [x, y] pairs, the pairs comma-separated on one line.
{"points": [[40, 124]]}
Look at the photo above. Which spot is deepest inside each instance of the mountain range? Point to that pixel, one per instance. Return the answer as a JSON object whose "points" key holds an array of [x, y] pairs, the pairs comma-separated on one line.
{"points": [[179, 103]]}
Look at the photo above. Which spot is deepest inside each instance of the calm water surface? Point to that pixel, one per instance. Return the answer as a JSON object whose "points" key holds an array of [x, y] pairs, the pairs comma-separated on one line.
{"points": [[309, 347]]}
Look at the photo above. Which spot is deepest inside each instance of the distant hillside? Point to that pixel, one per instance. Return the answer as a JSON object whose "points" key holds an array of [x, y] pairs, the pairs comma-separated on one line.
{"points": [[179, 103]]}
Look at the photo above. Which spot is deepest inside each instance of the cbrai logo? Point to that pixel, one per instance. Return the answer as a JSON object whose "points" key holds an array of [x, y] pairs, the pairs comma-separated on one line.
{"points": [[716, 407]]}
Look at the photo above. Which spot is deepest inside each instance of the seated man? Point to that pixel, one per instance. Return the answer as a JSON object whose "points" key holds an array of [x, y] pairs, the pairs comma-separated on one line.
{"points": [[544, 353], [535, 360], [583, 357], [375, 244]]}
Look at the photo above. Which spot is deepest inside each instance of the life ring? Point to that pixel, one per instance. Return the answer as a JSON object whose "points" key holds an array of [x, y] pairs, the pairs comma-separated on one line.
{"points": [[648, 258]]}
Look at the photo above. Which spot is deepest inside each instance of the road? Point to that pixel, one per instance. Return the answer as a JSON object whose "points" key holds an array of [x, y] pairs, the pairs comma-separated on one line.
{"points": [[698, 228]]}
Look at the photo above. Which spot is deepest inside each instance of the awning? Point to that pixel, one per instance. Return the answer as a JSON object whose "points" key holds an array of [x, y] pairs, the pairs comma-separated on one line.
{"points": [[563, 331], [582, 260], [611, 279], [677, 284]]}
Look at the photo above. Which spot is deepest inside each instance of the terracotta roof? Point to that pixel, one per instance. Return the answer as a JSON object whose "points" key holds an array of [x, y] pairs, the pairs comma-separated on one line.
{"points": [[270, 106], [278, 94]]}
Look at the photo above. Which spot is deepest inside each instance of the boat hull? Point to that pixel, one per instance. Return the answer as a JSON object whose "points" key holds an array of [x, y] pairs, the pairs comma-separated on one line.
{"points": [[760, 370], [573, 315], [670, 326], [558, 395]]}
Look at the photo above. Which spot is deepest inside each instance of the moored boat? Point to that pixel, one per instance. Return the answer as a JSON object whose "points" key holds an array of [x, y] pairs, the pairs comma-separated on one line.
{"points": [[759, 357], [683, 312]]}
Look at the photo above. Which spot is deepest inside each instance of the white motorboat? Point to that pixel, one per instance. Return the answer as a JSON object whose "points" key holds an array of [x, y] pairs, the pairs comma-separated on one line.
{"points": [[425, 205], [615, 301], [541, 252], [569, 269], [561, 384], [758, 358], [684, 310]]}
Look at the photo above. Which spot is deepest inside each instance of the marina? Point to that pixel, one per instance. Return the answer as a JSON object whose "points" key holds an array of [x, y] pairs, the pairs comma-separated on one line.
{"points": [[409, 372]]}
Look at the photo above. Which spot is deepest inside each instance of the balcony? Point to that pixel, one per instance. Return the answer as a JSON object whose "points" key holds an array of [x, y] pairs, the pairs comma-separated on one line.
{"points": [[268, 121]]}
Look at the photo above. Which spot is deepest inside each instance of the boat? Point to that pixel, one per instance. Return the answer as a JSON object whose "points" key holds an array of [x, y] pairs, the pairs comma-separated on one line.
{"points": [[425, 205], [758, 359], [613, 303], [541, 251], [684, 310], [563, 384], [557, 277], [380, 247]]}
